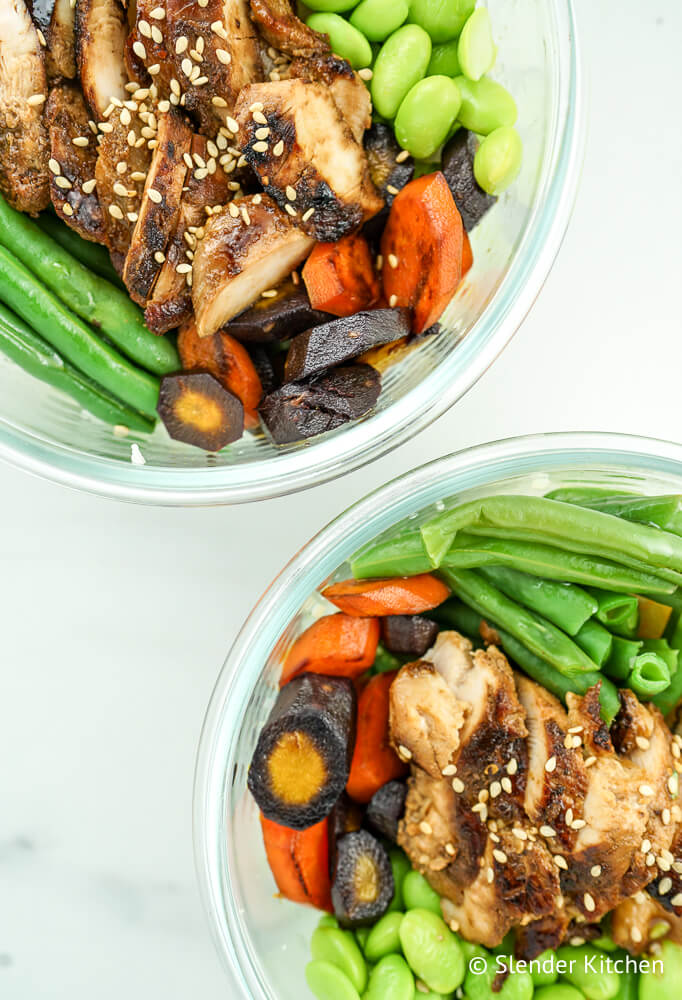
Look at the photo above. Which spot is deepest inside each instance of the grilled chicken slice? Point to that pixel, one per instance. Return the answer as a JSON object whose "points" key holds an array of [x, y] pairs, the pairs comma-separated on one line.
{"points": [[73, 156], [121, 171], [171, 301], [23, 91], [640, 921], [305, 156], [279, 25], [214, 51], [350, 94], [100, 52], [247, 248], [55, 19], [160, 206], [146, 46]]}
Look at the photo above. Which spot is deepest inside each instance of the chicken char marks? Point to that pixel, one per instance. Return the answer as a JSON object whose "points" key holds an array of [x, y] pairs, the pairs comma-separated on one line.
{"points": [[524, 815], [23, 91], [279, 25], [306, 157]]}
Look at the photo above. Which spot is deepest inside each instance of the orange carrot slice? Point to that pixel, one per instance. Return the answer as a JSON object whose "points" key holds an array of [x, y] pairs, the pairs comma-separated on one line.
{"points": [[339, 645], [409, 595], [299, 862], [374, 760]]}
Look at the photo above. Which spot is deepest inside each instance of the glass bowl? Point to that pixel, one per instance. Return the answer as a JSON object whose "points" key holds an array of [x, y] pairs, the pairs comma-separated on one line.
{"points": [[264, 941], [514, 247]]}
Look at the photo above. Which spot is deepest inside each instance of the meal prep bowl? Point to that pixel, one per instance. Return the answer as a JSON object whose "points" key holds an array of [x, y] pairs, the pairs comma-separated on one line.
{"points": [[265, 941], [514, 247]]}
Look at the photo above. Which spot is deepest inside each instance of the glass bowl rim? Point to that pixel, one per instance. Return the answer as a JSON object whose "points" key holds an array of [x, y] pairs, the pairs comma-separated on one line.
{"points": [[313, 563], [402, 419]]}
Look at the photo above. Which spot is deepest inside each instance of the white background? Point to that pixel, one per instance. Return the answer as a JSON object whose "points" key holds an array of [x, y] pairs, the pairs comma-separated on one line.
{"points": [[115, 619]]}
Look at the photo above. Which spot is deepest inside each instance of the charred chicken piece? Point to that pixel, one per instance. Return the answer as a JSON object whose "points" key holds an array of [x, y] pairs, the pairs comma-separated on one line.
{"points": [[246, 250], [146, 47], [389, 168], [66, 118], [277, 317], [305, 409], [100, 52], [171, 300], [350, 94], [224, 38], [23, 91], [305, 156], [160, 207], [56, 19], [279, 25]]}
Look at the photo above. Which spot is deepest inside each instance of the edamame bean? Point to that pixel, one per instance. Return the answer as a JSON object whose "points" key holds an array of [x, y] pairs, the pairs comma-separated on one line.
{"points": [[652, 985], [325, 980], [339, 948], [418, 894], [345, 40], [559, 991], [377, 19], [384, 937], [327, 920], [361, 934], [426, 115], [479, 982], [402, 62], [476, 50], [336, 6], [543, 969], [486, 105], [601, 984], [444, 60], [498, 160], [432, 951], [443, 19], [430, 995], [400, 867], [390, 979]]}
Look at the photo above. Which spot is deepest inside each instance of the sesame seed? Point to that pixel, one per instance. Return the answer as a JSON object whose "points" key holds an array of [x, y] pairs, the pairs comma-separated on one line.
{"points": [[54, 166], [158, 13], [561, 862], [404, 752], [640, 897], [642, 742], [153, 70], [365, 74], [256, 106], [218, 102], [183, 268], [159, 257], [139, 50], [63, 183], [260, 118], [493, 836], [495, 789], [218, 29], [125, 117], [449, 770], [578, 824], [260, 147], [458, 785], [232, 125], [402, 156], [677, 900], [186, 66], [393, 260], [666, 817], [66, 209], [234, 212], [673, 783], [393, 301], [550, 765], [512, 766], [262, 133], [636, 935], [663, 864], [188, 161], [175, 86], [120, 189], [157, 35], [137, 175], [291, 193], [155, 196], [132, 216], [290, 210], [490, 876], [665, 886], [36, 100], [308, 215], [646, 846], [203, 3], [426, 828], [500, 856], [506, 785], [577, 942], [115, 212], [650, 860], [519, 834], [89, 186], [80, 140], [392, 190], [590, 905], [201, 173], [144, 29], [547, 831], [106, 127], [199, 160], [245, 215], [646, 791], [596, 871], [279, 148], [569, 817], [200, 81], [271, 293], [483, 795], [590, 761], [212, 148], [450, 849]]}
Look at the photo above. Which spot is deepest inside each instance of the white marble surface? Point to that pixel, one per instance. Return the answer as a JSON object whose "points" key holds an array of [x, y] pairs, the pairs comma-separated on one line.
{"points": [[115, 619]]}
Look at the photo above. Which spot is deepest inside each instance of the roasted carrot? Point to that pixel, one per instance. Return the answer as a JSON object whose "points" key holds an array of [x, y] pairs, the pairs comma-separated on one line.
{"points": [[408, 595], [422, 248], [374, 760], [226, 359], [653, 618], [467, 254], [338, 645], [299, 862], [341, 278]]}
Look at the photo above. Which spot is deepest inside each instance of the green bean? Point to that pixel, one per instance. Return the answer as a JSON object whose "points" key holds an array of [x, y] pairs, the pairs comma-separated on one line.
{"points": [[444, 61], [559, 991], [543, 969], [400, 866], [654, 985], [486, 105], [477, 50], [557, 683], [336, 6], [23, 293], [402, 62], [672, 696], [563, 604], [629, 986], [537, 634], [622, 659], [401, 554], [618, 612], [94, 256], [596, 641], [443, 19], [325, 980], [339, 948], [426, 115], [453, 614], [662, 511], [390, 979], [384, 937], [574, 528], [377, 19], [497, 162], [90, 297], [650, 676], [418, 894], [538, 559], [432, 951], [662, 648], [40, 360], [345, 40], [478, 985], [384, 661], [585, 971]]}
